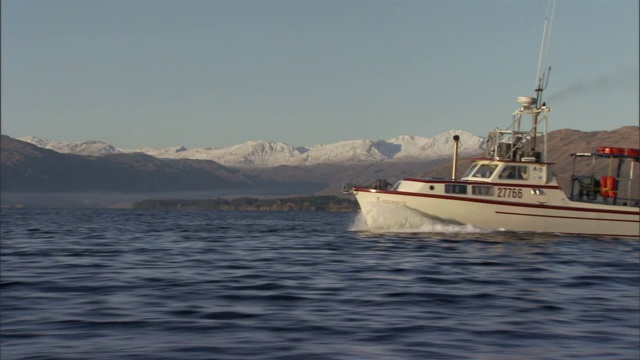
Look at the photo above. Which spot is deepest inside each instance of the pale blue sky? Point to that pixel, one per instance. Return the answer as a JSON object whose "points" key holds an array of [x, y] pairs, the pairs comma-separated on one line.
{"points": [[205, 73]]}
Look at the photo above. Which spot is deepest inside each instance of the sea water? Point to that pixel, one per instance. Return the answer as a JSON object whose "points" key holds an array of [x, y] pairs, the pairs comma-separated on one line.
{"points": [[195, 284]]}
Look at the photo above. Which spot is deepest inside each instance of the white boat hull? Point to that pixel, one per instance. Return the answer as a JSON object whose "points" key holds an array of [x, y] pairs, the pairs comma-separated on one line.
{"points": [[568, 218]]}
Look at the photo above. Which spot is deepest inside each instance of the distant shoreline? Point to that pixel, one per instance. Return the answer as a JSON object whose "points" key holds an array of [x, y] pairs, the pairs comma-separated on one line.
{"points": [[303, 203]]}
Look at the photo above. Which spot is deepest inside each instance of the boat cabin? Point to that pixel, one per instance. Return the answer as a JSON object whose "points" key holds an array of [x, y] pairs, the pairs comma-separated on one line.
{"points": [[513, 155], [497, 171]]}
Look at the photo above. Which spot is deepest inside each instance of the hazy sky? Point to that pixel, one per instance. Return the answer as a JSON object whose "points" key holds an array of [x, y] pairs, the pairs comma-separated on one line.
{"points": [[203, 73]]}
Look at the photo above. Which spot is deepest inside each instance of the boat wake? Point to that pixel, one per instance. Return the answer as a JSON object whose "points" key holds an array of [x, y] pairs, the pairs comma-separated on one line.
{"points": [[393, 219]]}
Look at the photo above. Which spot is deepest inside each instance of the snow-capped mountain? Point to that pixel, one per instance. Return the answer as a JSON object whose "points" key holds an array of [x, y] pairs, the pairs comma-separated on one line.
{"points": [[87, 148], [250, 153], [265, 153], [438, 146]]}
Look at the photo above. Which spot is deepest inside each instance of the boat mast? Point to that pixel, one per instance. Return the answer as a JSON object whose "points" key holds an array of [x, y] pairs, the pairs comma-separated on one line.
{"points": [[542, 75], [518, 144]]}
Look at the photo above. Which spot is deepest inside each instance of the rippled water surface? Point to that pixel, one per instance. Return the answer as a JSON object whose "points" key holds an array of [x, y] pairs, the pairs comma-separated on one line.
{"points": [[132, 284]]}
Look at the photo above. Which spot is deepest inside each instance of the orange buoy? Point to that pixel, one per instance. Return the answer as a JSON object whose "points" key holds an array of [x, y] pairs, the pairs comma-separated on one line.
{"points": [[608, 186]]}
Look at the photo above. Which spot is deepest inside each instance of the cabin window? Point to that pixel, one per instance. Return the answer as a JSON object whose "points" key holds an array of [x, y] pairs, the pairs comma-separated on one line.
{"points": [[470, 171], [515, 172], [482, 190], [455, 189], [485, 171]]}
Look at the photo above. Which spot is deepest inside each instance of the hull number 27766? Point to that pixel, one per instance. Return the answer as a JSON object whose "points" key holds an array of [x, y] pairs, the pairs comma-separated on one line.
{"points": [[514, 193]]}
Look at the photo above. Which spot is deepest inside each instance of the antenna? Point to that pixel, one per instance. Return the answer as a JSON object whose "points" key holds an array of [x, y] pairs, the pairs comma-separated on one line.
{"points": [[542, 76]]}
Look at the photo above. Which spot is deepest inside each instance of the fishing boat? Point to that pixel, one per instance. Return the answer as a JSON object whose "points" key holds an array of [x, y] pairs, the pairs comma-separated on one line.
{"points": [[514, 188]]}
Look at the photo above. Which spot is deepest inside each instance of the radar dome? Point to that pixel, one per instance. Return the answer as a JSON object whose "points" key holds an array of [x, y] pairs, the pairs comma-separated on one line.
{"points": [[526, 100]]}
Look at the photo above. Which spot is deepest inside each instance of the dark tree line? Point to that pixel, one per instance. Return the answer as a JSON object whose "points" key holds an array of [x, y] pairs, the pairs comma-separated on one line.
{"points": [[306, 203]]}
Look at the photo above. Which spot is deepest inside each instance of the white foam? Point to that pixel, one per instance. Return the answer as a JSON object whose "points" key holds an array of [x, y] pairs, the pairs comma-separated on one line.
{"points": [[390, 218]]}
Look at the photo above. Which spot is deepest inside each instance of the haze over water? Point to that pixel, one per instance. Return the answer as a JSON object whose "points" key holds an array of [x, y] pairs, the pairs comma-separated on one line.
{"points": [[135, 284]]}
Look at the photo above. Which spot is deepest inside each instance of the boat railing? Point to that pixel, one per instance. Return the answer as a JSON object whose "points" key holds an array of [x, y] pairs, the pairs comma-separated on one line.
{"points": [[516, 143], [607, 178]]}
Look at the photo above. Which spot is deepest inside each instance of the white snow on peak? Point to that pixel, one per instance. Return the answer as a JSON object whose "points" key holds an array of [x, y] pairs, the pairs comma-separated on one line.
{"points": [[87, 148], [250, 153], [437, 146], [340, 152], [262, 153], [36, 141], [268, 153], [169, 152]]}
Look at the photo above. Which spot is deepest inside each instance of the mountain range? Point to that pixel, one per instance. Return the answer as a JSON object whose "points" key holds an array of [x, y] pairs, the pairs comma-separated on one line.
{"points": [[96, 174], [266, 153]]}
